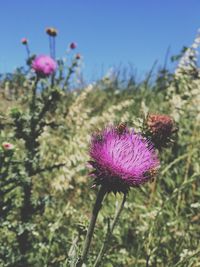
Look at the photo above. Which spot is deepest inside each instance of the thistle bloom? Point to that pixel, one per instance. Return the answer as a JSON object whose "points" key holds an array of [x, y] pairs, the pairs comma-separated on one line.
{"points": [[160, 128], [121, 159], [44, 65], [7, 146]]}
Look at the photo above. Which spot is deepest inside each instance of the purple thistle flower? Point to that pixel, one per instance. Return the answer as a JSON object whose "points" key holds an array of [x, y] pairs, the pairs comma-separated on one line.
{"points": [[44, 65], [121, 159]]}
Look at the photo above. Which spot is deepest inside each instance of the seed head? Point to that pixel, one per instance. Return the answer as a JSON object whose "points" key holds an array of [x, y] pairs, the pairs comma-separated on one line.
{"points": [[160, 129]]}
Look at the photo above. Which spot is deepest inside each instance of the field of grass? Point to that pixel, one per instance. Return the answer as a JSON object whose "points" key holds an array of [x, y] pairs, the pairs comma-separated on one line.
{"points": [[46, 193]]}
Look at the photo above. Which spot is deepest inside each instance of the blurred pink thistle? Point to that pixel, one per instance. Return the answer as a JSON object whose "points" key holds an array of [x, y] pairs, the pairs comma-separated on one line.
{"points": [[44, 65], [7, 146], [52, 31]]}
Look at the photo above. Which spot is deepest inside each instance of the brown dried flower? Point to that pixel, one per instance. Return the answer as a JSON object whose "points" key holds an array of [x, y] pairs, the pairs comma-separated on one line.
{"points": [[160, 128], [52, 31]]}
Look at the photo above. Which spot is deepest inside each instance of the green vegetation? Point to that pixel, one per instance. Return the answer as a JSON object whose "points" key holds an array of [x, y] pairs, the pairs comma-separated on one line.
{"points": [[45, 191]]}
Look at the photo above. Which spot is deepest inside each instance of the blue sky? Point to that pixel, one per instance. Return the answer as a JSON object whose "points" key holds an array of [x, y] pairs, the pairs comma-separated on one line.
{"points": [[108, 32]]}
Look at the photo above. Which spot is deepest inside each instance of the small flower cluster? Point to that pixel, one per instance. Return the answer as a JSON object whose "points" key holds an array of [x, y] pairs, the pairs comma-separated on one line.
{"points": [[45, 65]]}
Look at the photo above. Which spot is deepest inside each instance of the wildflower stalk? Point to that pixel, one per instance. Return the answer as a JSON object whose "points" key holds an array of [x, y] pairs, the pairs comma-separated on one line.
{"points": [[33, 100], [50, 47], [69, 74], [28, 51], [53, 47], [95, 211], [109, 233]]}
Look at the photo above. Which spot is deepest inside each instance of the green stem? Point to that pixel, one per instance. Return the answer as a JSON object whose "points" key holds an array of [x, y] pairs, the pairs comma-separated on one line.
{"points": [[33, 100], [27, 207], [70, 72], [54, 47], [28, 51], [50, 46], [109, 234], [95, 211]]}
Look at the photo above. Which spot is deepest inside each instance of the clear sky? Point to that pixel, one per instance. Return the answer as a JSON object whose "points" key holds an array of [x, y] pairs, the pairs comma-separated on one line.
{"points": [[108, 32]]}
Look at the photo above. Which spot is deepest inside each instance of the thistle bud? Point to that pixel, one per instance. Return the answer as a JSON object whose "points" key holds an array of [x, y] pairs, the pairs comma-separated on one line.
{"points": [[78, 56], [73, 45], [24, 41], [7, 146], [52, 31]]}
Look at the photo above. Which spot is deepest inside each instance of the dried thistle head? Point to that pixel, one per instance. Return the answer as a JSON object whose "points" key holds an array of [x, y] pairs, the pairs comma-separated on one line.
{"points": [[52, 31], [7, 146], [160, 129], [78, 56]]}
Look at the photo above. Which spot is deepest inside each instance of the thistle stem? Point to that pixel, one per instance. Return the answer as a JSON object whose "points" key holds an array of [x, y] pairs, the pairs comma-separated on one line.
{"points": [[95, 211], [28, 51], [54, 47], [109, 234], [33, 100], [50, 47], [27, 209]]}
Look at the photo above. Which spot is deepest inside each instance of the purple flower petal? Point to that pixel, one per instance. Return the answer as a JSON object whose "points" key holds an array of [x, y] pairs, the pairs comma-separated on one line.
{"points": [[44, 65], [122, 159]]}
